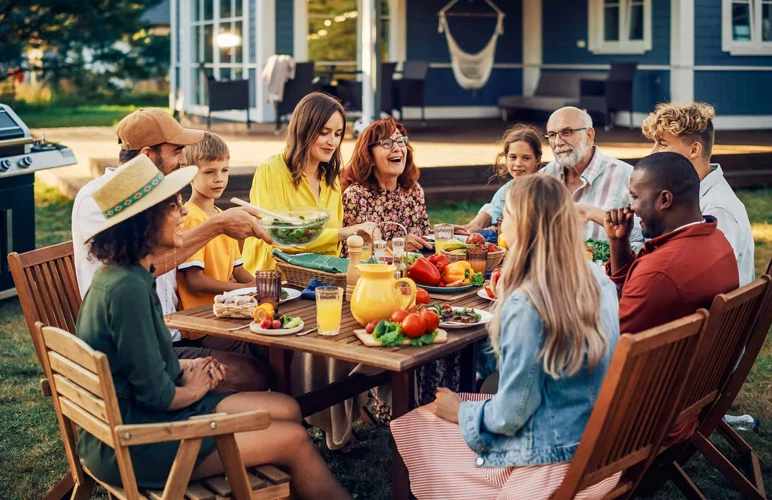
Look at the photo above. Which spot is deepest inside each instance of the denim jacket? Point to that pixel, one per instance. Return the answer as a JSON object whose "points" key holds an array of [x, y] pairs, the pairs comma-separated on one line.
{"points": [[535, 419]]}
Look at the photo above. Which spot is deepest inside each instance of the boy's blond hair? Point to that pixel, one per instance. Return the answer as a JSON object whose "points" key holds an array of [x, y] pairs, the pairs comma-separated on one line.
{"points": [[690, 122], [211, 148]]}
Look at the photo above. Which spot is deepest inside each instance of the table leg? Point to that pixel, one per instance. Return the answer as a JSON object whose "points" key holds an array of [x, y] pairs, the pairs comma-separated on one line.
{"points": [[281, 363], [403, 400], [468, 380]]}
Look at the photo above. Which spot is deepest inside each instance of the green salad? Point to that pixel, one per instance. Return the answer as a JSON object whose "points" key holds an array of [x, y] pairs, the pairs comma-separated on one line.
{"points": [[391, 335], [599, 249]]}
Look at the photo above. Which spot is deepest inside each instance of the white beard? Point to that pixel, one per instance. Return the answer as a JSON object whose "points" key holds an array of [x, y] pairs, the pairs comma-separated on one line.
{"points": [[577, 153]]}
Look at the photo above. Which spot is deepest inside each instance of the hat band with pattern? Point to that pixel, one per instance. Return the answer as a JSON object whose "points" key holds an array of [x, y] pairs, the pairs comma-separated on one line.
{"points": [[135, 197]]}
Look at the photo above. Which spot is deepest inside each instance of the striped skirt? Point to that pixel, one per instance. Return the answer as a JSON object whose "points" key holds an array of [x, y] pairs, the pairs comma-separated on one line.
{"points": [[442, 466]]}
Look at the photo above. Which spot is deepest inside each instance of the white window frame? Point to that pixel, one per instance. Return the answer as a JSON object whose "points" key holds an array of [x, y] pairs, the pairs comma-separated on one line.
{"points": [[598, 45], [756, 46]]}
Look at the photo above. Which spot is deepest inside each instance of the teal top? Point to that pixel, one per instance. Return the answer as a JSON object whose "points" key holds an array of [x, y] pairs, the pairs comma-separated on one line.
{"points": [[121, 316]]}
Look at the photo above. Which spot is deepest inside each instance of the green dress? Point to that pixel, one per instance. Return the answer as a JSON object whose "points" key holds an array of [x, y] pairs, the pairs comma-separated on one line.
{"points": [[121, 317]]}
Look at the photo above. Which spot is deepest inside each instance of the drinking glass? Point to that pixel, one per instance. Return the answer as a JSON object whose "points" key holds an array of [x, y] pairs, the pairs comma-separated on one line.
{"points": [[477, 256], [406, 295], [367, 252], [442, 234], [329, 304], [268, 285]]}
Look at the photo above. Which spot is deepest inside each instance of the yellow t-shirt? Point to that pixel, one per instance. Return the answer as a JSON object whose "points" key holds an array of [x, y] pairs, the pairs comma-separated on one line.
{"points": [[272, 188], [217, 258]]}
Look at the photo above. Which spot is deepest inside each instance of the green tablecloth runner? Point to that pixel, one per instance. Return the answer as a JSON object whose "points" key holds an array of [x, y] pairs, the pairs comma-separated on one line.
{"points": [[324, 263]]}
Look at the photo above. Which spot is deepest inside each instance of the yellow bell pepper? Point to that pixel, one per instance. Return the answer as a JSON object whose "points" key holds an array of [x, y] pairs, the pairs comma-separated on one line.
{"points": [[502, 242], [456, 272]]}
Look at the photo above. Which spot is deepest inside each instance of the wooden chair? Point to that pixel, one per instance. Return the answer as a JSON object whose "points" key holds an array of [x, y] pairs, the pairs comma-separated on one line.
{"points": [[635, 407], [47, 287], [734, 335], [84, 394], [48, 292]]}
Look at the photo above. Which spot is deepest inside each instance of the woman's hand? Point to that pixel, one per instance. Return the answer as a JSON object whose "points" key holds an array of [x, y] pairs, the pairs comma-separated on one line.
{"points": [[368, 230], [446, 405], [414, 243], [196, 378]]}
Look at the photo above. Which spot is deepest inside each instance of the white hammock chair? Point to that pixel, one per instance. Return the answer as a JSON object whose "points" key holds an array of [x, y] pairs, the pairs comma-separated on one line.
{"points": [[471, 70]]}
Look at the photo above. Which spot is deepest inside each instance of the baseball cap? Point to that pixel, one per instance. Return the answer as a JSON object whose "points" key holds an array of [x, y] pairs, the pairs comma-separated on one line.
{"points": [[151, 126]]}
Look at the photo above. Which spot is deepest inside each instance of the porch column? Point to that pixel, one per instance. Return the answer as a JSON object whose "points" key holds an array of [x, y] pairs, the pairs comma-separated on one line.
{"points": [[265, 40], [532, 45], [370, 60], [682, 51]]}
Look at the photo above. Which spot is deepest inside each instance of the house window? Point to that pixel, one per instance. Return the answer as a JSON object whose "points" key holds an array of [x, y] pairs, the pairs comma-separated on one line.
{"points": [[332, 32], [217, 40], [747, 27], [620, 26]]}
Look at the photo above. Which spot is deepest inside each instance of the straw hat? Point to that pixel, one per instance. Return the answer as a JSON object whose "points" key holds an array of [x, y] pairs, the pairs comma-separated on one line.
{"points": [[134, 187]]}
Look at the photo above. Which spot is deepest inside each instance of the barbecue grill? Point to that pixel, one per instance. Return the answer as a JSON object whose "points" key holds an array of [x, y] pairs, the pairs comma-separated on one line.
{"points": [[20, 157]]}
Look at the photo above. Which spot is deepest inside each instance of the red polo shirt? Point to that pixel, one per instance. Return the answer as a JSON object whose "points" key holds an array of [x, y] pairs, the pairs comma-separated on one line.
{"points": [[674, 275]]}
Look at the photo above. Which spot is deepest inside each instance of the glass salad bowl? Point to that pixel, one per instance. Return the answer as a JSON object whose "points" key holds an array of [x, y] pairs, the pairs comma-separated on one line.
{"points": [[298, 226]]}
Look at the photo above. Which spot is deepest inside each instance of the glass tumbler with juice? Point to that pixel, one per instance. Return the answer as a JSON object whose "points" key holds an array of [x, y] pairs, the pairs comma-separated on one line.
{"points": [[329, 304], [477, 256], [442, 234]]}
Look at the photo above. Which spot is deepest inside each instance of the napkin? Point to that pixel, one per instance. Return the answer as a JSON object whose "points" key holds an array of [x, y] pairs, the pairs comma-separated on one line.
{"points": [[310, 291], [324, 263], [490, 235]]}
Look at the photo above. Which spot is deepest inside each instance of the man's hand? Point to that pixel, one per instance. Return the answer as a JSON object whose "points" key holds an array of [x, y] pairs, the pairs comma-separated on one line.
{"points": [[241, 223], [618, 223], [218, 372], [195, 377], [446, 405], [589, 213]]}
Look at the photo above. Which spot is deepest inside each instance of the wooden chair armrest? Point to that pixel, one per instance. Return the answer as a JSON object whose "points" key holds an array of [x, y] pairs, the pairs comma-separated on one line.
{"points": [[198, 427], [45, 387]]}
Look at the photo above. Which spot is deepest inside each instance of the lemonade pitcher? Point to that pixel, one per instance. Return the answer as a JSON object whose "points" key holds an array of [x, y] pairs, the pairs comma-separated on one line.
{"points": [[376, 295]]}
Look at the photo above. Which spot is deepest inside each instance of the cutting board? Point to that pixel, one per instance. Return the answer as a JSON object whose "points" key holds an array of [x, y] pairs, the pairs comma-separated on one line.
{"points": [[369, 341]]}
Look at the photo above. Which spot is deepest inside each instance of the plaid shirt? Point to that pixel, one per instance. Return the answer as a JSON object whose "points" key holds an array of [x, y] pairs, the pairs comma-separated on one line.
{"points": [[605, 184]]}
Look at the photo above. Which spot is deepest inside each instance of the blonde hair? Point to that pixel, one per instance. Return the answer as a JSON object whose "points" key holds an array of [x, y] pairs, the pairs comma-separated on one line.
{"points": [[210, 148], [689, 122], [547, 263], [520, 132]]}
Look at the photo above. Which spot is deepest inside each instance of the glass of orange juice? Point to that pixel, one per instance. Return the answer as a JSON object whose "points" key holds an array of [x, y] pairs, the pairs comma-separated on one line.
{"points": [[442, 234], [477, 256], [329, 304], [407, 294]]}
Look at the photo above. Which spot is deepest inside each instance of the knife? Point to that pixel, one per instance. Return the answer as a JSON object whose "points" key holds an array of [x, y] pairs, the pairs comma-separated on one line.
{"points": [[306, 332]]}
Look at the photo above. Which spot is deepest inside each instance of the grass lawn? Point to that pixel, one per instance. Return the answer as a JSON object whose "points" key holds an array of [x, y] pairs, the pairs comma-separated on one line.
{"points": [[32, 455], [79, 116]]}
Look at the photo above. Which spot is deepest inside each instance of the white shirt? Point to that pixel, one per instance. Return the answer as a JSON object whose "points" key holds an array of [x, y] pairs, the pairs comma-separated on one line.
{"points": [[86, 218], [718, 199]]}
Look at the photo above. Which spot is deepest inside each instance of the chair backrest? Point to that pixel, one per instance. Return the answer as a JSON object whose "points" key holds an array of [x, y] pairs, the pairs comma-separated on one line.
{"points": [[564, 83], [415, 70], [297, 88], [732, 318], [636, 404], [47, 286], [622, 72], [83, 392], [387, 78]]}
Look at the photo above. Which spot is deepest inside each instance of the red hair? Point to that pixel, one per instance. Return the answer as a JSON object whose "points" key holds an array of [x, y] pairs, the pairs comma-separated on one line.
{"points": [[361, 168]]}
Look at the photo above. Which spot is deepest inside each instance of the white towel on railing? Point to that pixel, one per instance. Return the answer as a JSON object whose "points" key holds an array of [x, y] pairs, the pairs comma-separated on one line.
{"points": [[278, 69]]}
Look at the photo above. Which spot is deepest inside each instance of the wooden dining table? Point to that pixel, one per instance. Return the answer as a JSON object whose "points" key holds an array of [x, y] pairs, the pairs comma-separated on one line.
{"points": [[383, 364]]}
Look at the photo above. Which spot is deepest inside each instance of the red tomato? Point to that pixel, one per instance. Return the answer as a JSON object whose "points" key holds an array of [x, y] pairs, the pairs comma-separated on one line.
{"points": [[493, 248], [398, 316], [421, 296], [371, 326], [413, 326], [276, 324], [266, 324], [431, 319]]}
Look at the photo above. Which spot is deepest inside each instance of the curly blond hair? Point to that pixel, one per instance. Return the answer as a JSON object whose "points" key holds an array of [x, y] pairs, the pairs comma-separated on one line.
{"points": [[689, 122]]}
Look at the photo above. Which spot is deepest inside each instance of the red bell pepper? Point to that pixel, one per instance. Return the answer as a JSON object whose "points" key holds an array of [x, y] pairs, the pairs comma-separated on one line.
{"points": [[424, 272], [439, 261]]}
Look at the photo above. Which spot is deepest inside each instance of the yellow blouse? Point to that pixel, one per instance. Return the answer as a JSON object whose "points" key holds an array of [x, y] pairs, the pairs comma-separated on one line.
{"points": [[272, 188]]}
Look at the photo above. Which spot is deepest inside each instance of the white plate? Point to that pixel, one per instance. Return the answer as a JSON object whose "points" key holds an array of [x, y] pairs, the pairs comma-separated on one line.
{"points": [[482, 293], [278, 332], [485, 317], [292, 294]]}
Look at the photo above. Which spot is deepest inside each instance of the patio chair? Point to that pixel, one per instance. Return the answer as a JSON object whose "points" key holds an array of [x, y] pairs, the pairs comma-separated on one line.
{"points": [[224, 95], [295, 90], [84, 394], [734, 335], [635, 407], [409, 90]]}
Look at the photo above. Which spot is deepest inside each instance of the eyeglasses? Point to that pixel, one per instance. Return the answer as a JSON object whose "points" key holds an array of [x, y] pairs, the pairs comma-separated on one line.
{"points": [[389, 143], [566, 133]]}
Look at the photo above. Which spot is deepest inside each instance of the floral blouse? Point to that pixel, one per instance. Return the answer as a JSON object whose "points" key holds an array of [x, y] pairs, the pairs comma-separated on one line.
{"points": [[403, 206]]}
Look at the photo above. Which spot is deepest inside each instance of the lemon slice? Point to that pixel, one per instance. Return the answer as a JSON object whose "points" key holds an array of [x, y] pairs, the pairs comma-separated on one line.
{"points": [[263, 311]]}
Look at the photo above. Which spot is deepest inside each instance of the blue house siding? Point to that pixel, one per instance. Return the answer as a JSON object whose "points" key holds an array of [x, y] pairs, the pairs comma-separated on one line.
{"points": [[471, 34], [735, 92], [707, 39], [559, 35], [285, 27]]}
